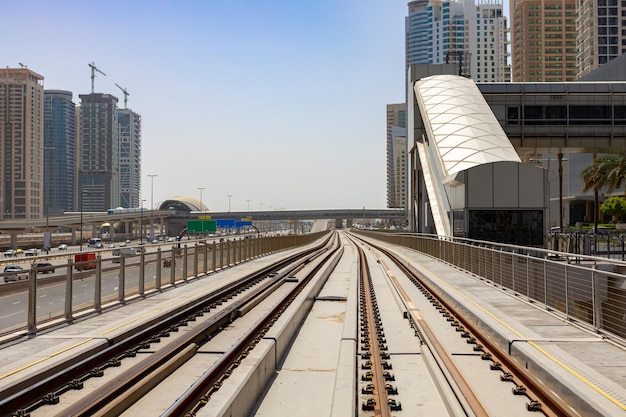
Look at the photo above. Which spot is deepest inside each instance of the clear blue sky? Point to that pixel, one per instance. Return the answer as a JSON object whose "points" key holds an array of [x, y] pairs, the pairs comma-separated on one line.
{"points": [[277, 102]]}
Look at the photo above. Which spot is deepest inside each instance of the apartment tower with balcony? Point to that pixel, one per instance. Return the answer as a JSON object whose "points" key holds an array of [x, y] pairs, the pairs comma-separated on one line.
{"points": [[21, 144], [543, 40]]}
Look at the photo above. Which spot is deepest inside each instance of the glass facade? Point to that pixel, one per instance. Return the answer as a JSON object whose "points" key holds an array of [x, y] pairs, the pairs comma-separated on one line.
{"points": [[130, 157], [59, 152]]}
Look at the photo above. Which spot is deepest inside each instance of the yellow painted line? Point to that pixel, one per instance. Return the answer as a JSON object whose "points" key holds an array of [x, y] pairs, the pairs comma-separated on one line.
{"points": [[46, 358], [152, 312], [536, 346]]}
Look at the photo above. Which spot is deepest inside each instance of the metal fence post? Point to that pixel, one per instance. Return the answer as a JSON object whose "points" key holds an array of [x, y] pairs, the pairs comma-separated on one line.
{"points": [[195, 260], [122, 279], [157, 283], [142, 274], [97, 291], [173, 265], [68, 293], [32, 301], [185, 274]]}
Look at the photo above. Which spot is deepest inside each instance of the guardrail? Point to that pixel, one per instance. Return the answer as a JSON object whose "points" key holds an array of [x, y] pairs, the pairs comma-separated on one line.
{"points": [[589, 290], [94, 284]]}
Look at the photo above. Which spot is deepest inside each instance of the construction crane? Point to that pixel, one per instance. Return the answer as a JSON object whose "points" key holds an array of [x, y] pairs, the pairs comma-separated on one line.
{"points": [[126, 94], [93, 74]]}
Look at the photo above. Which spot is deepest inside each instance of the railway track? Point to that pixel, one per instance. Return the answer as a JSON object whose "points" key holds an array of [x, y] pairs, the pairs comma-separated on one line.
{"points": [[540, 398], [408, 350], [154, 351]]}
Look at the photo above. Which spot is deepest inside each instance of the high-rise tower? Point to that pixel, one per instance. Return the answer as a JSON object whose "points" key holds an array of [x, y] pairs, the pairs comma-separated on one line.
{"points": [[543, 40], [98, 180], [602, 33], [59, 152], [21, 143], [470, 33], [129, 124], [396, 155]]}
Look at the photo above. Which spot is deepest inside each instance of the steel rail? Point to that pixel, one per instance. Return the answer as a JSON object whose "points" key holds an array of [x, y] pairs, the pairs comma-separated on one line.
{"points": [[381, 408]]}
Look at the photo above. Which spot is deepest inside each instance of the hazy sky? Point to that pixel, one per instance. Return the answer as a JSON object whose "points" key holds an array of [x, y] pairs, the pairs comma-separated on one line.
{"points": [[278, 102]]}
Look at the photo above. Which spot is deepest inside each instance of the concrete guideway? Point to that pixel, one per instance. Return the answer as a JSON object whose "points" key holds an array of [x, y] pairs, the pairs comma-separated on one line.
{"points": [[317, 374]]}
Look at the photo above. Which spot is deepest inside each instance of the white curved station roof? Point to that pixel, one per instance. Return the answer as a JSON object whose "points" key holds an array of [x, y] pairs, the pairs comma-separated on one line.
{"points": [[461, 124]]}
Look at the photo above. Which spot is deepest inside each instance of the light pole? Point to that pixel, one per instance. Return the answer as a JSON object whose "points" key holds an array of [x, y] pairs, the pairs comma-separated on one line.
{"points": [[141, 223], [201, 204], [48, 175], [248, 204], [229, 197], [82, 193], [151, 204]]}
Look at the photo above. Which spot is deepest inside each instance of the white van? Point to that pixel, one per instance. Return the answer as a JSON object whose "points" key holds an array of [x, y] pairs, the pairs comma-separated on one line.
{"points": [[95, 242]]}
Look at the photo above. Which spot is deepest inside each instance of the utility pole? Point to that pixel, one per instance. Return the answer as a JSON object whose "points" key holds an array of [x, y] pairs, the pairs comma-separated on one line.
{"points": [[151, 204], [126, 94]]}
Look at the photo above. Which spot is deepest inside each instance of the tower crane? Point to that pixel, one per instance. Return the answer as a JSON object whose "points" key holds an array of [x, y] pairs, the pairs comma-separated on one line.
{"points": [[126, 94], [93, 74]]}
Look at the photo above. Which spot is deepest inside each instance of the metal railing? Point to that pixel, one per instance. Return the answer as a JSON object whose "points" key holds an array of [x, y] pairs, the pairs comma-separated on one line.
{"points": [[92, 285], [608, 244], [586, 289]]}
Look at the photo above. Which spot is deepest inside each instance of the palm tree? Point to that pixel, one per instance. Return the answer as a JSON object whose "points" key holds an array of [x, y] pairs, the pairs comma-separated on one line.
{"points": [[613, 168], [593, 178]]}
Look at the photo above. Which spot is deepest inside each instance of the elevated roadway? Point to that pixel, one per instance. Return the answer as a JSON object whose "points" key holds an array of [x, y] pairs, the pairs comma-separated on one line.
{"points": [[174, 221]]}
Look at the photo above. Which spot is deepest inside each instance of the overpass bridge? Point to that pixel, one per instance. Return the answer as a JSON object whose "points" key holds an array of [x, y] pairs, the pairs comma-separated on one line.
{"points": [[172, 222]]}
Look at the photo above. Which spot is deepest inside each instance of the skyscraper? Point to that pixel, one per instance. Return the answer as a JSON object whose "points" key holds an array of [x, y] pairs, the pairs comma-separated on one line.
{"points": [[98, 180], [59, 152], [129, 157], [602, 33], [543, 40], [396, 155], [21, 143], [465, 32]]}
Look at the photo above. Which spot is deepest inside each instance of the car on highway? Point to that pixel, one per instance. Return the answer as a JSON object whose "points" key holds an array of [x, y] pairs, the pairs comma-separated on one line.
{"points": [[44, 268], [14, 273], [19, 251], [9, 253], [62, 246], [31, 252], [118, 252]]}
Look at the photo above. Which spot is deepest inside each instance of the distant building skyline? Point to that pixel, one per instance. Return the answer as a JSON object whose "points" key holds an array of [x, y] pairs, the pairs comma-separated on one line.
{"points": [[58, 156], [21, 143]]}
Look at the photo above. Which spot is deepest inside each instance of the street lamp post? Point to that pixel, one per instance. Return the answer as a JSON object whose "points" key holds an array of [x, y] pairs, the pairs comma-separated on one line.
{"points": [[151, 204], [229, 197], [201, 204], [81, 220], [141, 223]]}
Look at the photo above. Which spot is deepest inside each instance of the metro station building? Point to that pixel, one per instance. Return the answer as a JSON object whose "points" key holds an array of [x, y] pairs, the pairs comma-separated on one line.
{"points": [[466, 176]]}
